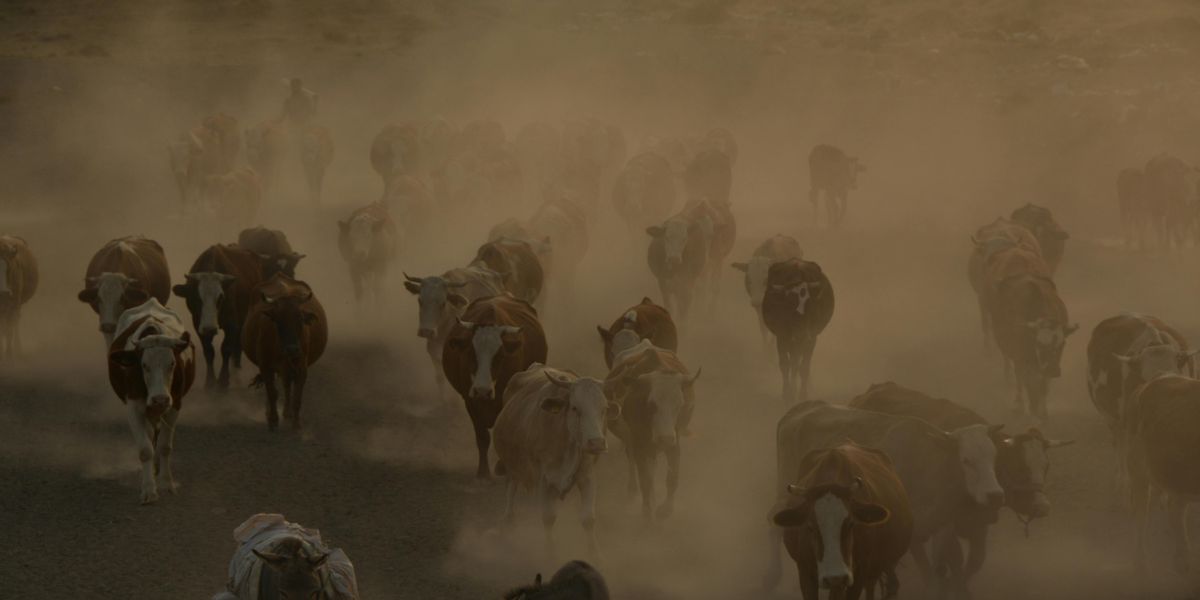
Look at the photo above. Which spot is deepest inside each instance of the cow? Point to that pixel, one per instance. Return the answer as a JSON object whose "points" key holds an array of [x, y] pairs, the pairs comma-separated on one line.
{"points": [[557, 233], [368, 242], [441, 299], [1168, 199], [517, 264], [151, 367], [266, 146], [18, 284], [656, 393], [122, 274], [222, 130], [644, 191], [1125, 352], [722, 139], [272, 246], [797, 306], [775, 249], [278, 560], [217, 290], [946, 474], [649, 320], [286, 332], [1030, 323], [576, 580], [1132, 205], [831, 171], [234, 197], [847, 522], [678, 256], [494, 339], [1050, 236], [1022, 462], [1161, 425], [396, 150], [987, 243], [709, 177], [316, 153], [548, 436]]}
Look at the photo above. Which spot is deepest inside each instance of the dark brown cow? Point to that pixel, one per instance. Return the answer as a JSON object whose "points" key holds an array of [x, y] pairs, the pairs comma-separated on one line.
{"points": [[1050, 236], [988, 243], [123, 274], [797, 307], [847, 522], [218, 291], [495, 338], [368, 242], [316, 153], [775, 249], [649, 320], [18, 283], [517, 264], [151, 367], [830, 170], [396, 150], [285, 333], [272, 246], [644, 192]]}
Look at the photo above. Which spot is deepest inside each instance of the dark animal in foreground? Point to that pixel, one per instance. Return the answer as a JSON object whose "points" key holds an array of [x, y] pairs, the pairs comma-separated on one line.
{"points": [[797, 306], [831, 171], [18, 284], [273, 247], [278, 560], [576, 580], [125, 273], [649, 320]]}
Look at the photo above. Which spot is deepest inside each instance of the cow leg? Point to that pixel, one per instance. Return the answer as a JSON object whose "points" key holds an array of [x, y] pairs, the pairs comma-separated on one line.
{"points": [[206, 344], [229, 349], [921, 559], [1139, 499], [891, 583], [985, 324], [587, 510], [805, 366], [843, 202], [549, 499], [356, 280], [483, 439], [646, 462], [166, 446], [433, 347], [297, 396], [774, 559], [814, 198], [785, 368], [668, 505], [809, 589], [135, 411], [1177, 523], [268, 380]]}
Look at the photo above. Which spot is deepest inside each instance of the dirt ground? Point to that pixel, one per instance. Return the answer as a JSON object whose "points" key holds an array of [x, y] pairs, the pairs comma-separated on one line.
{"points": [[962, 111]]}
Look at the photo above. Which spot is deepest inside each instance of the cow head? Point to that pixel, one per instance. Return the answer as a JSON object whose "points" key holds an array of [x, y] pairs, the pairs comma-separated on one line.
{"points": [[826, 516], [358, 234], [110, 294], [207, 290], [299, 573], [1049, 337], [290, 317], [585, 408], [1022, 463], [435, 295], [756, 278], [156, 355], [490, 342], [802, 290], [974, 449], [1154, 361], [666, 401], [673, 234]]}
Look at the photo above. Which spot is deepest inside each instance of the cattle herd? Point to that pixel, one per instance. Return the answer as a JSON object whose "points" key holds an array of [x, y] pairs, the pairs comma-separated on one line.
{"points": [[894, 472]]}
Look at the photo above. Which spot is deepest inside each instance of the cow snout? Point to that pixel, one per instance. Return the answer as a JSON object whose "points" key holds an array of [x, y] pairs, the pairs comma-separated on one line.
{"points": [[160, 399], [425, 333], [834, 582], [108, 327], [995, 499], [597, 446], [667, 441]]}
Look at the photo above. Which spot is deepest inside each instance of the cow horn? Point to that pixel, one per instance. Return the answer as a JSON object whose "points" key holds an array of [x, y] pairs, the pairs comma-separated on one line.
{"points": [[268, 299], [466, 324], [413, 279], [856, 484], [795, 490], [696, 376]]}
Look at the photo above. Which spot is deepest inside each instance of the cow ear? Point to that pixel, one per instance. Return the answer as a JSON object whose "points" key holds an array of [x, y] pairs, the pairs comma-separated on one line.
{"points": [[457, 300], [125, 358], [741, 266], [88, 295], [791, 517], [413, 288], [869, 513], [554, 405], [647, 300], [654, 231], [180, 290]]}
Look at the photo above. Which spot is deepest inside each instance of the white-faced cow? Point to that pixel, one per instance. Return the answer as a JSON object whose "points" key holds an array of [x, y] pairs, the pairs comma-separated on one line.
{"points": [[678, 257], [368, 242], [831, 171], [441, 300], [218, 292], [797, 306], [649, 321], [124, 273]]}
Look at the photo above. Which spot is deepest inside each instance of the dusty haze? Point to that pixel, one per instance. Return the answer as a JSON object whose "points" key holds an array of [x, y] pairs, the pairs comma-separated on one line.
{"points": [[962, 112]]}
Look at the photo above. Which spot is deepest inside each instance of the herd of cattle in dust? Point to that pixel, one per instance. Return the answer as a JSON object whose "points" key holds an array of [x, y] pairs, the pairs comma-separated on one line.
{"points": [[896, 472]]}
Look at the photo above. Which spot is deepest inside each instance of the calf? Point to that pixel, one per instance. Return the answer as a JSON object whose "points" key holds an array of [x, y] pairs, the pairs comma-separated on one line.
{"points": [[656, 394], [151, 367], [774, 249], [847, 522], [367, 241], [548, 436], [272, 246], [495, 339], [517, 264], [285, 333], [831, 171], [797, 306], [18, 284], [316, 153], [218, 291], [122, 274], [1050, 236], [649, 320]]}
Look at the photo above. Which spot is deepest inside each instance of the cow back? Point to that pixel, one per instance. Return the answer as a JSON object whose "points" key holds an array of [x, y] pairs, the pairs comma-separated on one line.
{"points": [[138, 258], [263, 241], [779, 307], [650, 321], [22, 268], [898, 400]]}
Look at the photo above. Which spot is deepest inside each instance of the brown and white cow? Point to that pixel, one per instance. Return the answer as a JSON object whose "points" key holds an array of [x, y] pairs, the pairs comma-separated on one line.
{"points": [[518, 266], [18, 284], [495, 339], [797, 306], [266, 147], [235, 196], [286, 332], [548, 436], [847, 522], [644, 191], [831, 171], [368, 242], [656, 393], [1162, 421], [272, 246], [989, 242], [1050, 235], [775, 249], [1125, 352], [316, 153], [218, 291], [441, 300], [649, 320], [151, 367], [122, 274]]}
